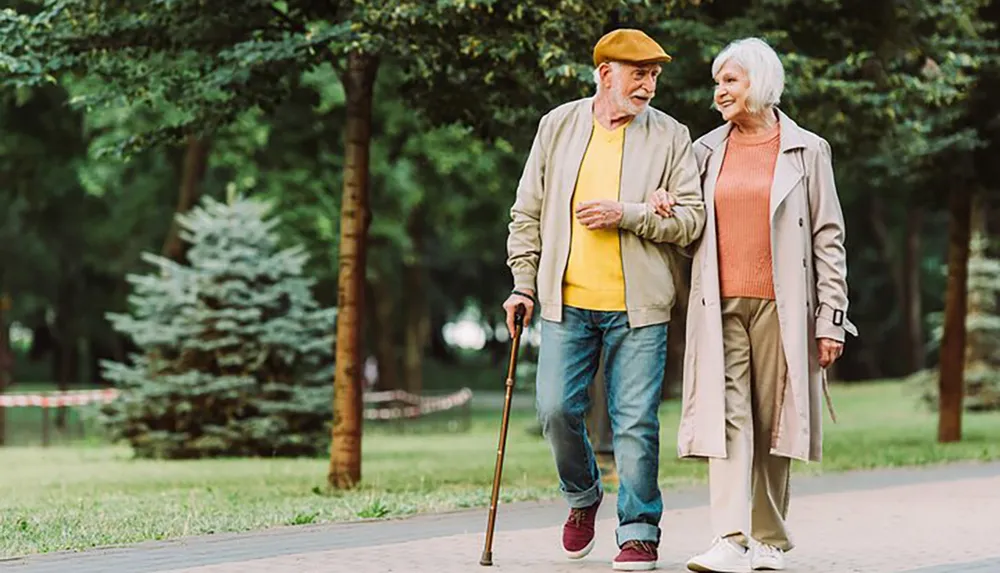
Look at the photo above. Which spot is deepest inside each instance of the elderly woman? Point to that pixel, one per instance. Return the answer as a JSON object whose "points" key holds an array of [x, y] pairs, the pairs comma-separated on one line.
{"points": [[767, 311]]}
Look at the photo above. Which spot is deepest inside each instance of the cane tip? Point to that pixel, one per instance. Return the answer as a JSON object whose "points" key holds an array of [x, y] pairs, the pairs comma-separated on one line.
{"points": [[486, 560]]}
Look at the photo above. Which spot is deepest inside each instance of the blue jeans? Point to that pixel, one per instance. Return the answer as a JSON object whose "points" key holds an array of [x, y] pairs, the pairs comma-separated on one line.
{"points": [[634, 360]]}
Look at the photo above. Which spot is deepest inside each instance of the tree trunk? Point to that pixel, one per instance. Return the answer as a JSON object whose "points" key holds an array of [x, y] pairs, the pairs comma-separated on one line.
{"points": [[952, 375], [417, 316], [345, 448], [67, 352], [97, 351], [415, 337], [913, 308], [895, 265], [193, 171], [382, 302], [69, 373]]}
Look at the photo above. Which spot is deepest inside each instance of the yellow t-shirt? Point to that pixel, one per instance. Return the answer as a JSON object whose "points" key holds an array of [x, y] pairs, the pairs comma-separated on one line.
{"points": [[594, 279]]}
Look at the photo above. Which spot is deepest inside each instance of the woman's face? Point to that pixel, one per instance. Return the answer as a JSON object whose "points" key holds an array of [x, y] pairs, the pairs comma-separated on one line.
{"points": [[732, 85]]}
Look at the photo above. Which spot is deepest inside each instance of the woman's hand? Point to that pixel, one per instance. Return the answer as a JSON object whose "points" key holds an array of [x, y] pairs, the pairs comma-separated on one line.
{"points": [[663, 203], [829, 351]]}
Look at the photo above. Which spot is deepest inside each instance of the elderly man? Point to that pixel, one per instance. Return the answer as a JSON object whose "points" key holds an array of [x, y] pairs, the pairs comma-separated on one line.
{"points": [[586, 242]]}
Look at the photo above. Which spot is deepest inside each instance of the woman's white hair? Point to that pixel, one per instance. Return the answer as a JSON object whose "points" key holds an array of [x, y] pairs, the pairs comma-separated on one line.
{"points": [[763, 68]]}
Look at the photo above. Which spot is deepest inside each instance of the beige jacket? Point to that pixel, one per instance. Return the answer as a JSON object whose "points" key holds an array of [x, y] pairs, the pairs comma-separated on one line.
{"points": [[810, 279], [657, 153]]}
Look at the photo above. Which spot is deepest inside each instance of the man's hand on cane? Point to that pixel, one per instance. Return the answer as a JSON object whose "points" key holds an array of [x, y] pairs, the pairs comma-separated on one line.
{"points": [[522, 297]]}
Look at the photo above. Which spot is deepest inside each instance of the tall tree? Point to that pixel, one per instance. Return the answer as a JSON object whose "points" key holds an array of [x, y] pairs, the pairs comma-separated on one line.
{"points": [[345, 454], [952, 378], [464, 61]]}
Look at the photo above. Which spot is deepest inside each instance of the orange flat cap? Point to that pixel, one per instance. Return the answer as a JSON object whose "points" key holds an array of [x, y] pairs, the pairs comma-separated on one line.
{"points": [[628, 45]]}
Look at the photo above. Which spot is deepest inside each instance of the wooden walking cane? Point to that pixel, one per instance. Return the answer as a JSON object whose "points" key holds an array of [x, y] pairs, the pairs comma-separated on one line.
{"points": [[487, 559]]}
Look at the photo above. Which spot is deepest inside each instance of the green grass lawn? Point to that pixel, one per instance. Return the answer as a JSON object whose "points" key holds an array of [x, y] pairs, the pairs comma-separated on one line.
{"points": [[73, 497]]}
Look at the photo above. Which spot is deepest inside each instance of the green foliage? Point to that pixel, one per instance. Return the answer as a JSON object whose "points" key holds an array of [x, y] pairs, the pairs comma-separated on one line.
{"points": [[202, 65], [474, 62], [63, 249], [982, 324], [439, 195], [889, 84], [885, 88], [235, 353]]}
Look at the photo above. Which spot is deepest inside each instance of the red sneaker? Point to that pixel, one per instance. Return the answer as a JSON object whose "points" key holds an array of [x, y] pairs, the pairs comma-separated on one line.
{"points": [[578, 531], [636, 556]]}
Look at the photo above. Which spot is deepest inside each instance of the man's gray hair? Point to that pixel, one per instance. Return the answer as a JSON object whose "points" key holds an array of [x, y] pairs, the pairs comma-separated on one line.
{"points": [[763, 68], [597, 73]]}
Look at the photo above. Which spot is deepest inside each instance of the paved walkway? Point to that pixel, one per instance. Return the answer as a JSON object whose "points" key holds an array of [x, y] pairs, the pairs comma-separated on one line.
{"points": [[939, 520]]}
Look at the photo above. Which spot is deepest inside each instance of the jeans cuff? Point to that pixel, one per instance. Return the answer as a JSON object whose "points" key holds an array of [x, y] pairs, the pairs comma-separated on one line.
{"points": [[586, 498], [637, 532]]}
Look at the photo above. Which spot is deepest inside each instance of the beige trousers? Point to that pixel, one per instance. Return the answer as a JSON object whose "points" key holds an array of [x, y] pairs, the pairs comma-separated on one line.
{"points": [[749, 488]]}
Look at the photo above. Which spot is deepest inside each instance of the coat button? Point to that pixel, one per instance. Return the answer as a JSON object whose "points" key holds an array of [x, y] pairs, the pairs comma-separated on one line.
{"points": [[800, 221], [803, 263], [702, 302]]}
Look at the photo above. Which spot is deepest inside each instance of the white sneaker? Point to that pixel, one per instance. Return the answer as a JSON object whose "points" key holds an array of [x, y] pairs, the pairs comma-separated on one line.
{"points": [[764, 557], [724, 556]]}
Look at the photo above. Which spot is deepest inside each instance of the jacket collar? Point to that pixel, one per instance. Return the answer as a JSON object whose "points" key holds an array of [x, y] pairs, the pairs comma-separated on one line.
{"points": [[791, 134]]}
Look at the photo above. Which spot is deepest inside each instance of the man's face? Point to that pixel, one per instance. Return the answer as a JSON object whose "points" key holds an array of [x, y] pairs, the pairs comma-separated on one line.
{"points": [[632, 87]]}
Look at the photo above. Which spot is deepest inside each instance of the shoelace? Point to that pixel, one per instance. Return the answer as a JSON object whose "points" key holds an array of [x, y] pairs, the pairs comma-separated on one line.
{"points": [[643, 546], [721, 541], [765, 550], [576, 516]]}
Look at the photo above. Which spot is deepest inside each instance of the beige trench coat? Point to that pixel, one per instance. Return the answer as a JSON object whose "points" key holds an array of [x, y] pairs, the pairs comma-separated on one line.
{"points": [[810, 280]]}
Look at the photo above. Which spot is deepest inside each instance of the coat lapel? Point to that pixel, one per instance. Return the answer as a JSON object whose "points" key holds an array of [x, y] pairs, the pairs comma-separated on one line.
{"points": [[788, 167], [786, 176], [716, 142], [713, 167]]}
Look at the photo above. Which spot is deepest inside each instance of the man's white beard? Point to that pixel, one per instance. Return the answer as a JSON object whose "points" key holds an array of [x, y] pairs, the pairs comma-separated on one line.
{"points": [[623, 102]]}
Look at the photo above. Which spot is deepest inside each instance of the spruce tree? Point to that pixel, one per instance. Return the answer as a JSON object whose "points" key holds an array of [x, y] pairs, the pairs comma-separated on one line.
{"points": [[236, 356], [982, 358], [982, 324]]}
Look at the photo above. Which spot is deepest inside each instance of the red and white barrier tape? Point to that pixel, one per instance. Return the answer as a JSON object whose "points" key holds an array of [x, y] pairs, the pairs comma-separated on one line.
{"points": [[417, 405], [392, 395], [58, 399]]}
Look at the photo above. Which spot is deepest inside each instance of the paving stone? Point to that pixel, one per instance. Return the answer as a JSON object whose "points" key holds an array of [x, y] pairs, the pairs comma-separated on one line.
{"points": [[933, 520]]}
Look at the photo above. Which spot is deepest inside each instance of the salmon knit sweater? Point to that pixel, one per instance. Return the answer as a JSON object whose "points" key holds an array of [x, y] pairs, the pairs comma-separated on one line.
{"points": [[742, 214]]}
